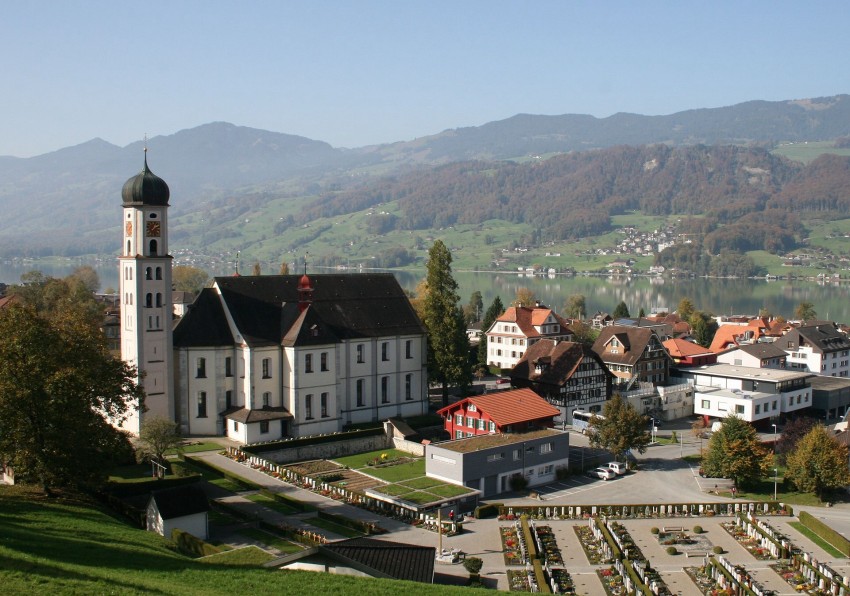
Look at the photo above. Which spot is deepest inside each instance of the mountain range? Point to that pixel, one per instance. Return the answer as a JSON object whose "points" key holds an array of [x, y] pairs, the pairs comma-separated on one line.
{"points": [[67, 201]]}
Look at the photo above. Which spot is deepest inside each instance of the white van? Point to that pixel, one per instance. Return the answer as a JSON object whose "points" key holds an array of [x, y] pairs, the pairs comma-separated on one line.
{"points": [[617, 467]]}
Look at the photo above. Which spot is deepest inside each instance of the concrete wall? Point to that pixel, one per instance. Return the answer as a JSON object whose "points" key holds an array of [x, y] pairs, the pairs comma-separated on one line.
{"points": [[327, 450]]}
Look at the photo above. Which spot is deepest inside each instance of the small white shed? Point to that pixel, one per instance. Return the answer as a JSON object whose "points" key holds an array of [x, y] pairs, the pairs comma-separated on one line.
{"points": [[183, 507]]}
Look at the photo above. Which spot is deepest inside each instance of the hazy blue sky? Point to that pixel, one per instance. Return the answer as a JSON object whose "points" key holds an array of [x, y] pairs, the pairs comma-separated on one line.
{"points": [[361, 72]]}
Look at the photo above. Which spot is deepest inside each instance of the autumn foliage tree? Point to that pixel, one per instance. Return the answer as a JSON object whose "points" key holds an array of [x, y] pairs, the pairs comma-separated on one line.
{"points": [[819, 463], [621, 429], [735, 452]]}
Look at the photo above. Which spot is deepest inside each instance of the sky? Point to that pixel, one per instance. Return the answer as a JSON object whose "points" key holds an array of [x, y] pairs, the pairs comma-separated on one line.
{"points": [[362, 72]]}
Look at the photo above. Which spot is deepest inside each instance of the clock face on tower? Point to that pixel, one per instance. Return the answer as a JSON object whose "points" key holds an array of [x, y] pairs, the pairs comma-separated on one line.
{"points": [[129, 228], [153, 229]]}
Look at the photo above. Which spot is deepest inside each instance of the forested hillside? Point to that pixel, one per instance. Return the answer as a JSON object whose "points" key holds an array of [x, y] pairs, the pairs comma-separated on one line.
{"points": [[747, 198]]}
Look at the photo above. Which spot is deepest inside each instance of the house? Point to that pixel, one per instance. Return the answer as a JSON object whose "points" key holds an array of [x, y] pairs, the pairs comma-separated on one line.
{"points": [[736, 331], [757, 355], [517, 410], [182, 507], [687, 353], [633, 355], [366, 557], [754, 394], [568, 375], [600, 320], [489, 463], [819, 347], [518, 328], [830, 397], [259, 358]]}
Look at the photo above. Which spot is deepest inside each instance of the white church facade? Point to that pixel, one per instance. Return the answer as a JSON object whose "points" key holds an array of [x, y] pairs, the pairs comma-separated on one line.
{"points": [[260, 358]]}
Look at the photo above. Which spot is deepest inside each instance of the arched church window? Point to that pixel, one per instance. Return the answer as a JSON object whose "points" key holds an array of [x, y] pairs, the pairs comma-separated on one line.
{"points": [[128, 248], [149, 300], [153, 247], [158, 299], [159, 272], [148, 273]]}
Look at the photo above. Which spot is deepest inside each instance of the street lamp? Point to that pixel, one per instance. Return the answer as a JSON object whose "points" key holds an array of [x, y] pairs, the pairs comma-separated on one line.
{"points": [[774, 443], [775, 475]]}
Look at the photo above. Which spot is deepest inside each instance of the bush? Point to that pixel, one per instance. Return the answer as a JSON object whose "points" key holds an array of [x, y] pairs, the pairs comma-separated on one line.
{"points": [[562, 472], [654, 530], [698, 530], [473, 565], [672, 550], [487, 510], [518, 482], [191, 545], [717, 550]]}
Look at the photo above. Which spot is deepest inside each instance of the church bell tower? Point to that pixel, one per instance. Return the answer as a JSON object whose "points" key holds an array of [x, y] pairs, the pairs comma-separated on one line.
{"points": [[145, 288]]}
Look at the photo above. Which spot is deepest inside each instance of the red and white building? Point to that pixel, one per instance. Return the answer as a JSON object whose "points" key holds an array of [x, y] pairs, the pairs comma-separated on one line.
{"points": [[515, 411]]}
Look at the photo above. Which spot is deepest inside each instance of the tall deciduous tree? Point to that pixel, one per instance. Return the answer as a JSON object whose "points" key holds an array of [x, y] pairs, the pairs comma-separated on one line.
{"points": [[524, 297], [805, 311], [189, 279], [284, 268], [794, 430], [157, 436], [576, 306], [448, 347], [622, 429], [819, 463], [736, 452], [686, 309], [494, 311], [256, 269], [59, 390]]}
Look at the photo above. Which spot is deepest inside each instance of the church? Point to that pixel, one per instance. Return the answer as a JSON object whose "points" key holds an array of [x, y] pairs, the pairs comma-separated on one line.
{"points": [[261, 358]]}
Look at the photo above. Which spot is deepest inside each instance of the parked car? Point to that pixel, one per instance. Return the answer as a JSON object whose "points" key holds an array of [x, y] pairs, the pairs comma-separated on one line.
{"points": [[603, 473], [617, 467], [503, 381]]}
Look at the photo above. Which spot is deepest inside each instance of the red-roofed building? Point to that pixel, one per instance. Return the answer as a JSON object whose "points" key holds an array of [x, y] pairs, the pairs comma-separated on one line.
{"points": [[515, 411], [520, 327], [688, 353]]}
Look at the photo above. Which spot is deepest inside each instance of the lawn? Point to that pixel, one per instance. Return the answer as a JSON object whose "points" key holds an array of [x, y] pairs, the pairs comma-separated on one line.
{"points": [[361, 460], [833, 552], [249, 556], [271, 503], [330, 526], [269, 539], [67, 545], [398, 472]]}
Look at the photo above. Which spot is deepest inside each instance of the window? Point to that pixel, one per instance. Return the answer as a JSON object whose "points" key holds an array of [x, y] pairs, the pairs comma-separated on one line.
{"points": [[149, 300], [482, 424], [228, 399], [517, 455], [264, 427], [308, 406], [758, 409], [739, 409], [495, 456], [360, 359], [148, 274], [308, 363], [459, 420], [323, 403], [470, 422], [385, 351], [385, 396], [202, 404], [492, 426], [774, 406], [408, 349], [706, 404], [201, 372], [267, 399], [159, 272], [360, 384], [228, 366], [408, 387], [546, 448], [152, 247], [235, 426], [323, 361], [458, 434], [545, 470], [267, 363]]}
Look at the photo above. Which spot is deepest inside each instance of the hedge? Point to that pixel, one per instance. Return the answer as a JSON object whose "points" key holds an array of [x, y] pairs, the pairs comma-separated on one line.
{"points": [[353, 524], [246, 484], [192, 545], [487, 510], [314, 440], [529, 539], [288, 501], [825, 532], [129, 489], [540, 577]]}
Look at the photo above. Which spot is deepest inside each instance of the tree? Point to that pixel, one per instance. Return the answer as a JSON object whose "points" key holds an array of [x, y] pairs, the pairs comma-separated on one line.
{"points": [[641, 313], [583, 332], [794, 430], [686, 309], [87, 276], [473, 565], [622, 429], [59, 390], [735, 452], [284, 268], [575, 306], [448, 347], [473, 311], [703, 327], [493, 312], [52, 298], [256, 269], [189, 279], [621, 311], [805, 311], [524, 297], [157, 436], [819, 463]]}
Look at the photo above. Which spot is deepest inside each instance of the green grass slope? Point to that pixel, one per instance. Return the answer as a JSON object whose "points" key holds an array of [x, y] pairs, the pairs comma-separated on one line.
{"points": [[67, 546]]}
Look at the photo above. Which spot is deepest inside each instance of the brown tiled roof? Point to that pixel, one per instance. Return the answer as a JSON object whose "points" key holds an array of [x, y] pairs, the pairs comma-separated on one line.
{"points": [[634, 339], [478, 442], [561, 359], [508, 407], [681, 348]]}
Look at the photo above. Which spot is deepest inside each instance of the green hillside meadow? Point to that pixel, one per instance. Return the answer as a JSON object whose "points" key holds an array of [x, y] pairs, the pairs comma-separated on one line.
{"points": [[67, 546]]}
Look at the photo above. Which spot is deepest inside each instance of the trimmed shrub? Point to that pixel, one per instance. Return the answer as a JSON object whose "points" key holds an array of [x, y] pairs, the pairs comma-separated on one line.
{"points": [[824, 531], [518, 482], [698, 530], [192, 546], [655, 530], [672, 550], [487, 510], [717, 550]]}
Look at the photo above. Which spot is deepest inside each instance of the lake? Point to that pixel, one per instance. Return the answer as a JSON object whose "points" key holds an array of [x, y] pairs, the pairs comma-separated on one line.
{"points": [[719, 296]]}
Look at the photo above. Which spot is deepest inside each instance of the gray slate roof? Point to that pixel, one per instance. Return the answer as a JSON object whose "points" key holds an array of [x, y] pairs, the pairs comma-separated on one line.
{"points": [[386, 559], [180, 501]]}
